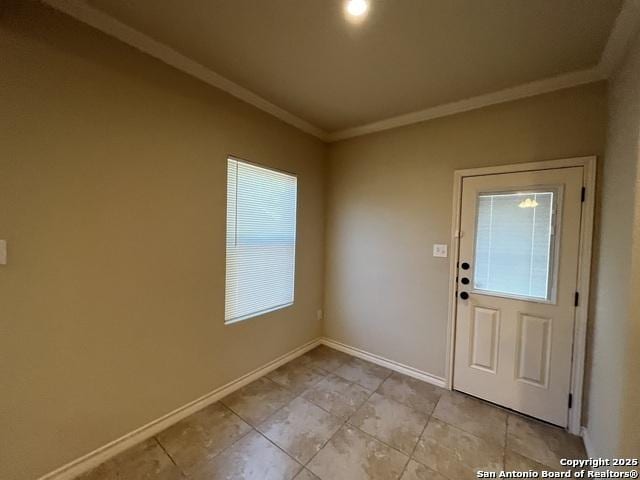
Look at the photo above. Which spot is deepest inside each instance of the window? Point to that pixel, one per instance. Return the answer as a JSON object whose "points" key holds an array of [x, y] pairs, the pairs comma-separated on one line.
{"points": [[261, 240], [514, 243]]}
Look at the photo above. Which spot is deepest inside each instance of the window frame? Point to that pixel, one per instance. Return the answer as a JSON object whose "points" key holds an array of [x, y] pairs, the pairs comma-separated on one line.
{"points": [[554, 257], [295, 246]]}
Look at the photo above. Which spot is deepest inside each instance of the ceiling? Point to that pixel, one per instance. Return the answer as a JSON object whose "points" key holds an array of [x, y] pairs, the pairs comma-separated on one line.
{"points": [[407, 55]]}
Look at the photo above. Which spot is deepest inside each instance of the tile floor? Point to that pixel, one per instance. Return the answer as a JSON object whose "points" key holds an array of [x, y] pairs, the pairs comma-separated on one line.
{"points": [[329, 416]]}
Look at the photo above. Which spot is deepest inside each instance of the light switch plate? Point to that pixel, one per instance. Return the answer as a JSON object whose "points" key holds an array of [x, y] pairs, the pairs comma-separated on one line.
{"points": [[3, 252], [439, 250]]}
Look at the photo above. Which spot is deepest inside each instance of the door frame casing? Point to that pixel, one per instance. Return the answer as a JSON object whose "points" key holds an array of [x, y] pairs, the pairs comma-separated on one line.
{"points": [[589, 163]]}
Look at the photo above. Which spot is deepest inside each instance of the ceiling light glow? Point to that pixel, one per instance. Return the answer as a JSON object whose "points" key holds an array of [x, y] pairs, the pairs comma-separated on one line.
{"points": [[528, 203], [357, 8]]}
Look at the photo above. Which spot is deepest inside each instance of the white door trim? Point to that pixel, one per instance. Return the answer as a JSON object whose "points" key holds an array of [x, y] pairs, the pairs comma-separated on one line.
{"points": [[584, 268]]}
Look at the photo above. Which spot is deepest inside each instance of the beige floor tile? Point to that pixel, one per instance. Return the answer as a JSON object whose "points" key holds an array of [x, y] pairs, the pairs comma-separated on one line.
{"points": [[202, 435], [300, 429], [145, 461], [337, 396], [296, 377], [302, 361], [541, 442], [419, 395], [354, 455], [252, 458], [442, 460], [462, 436], [515, 461], [391, 422], [256, 401], [365, 374], [473, 416], [456, 453], [324, 358], [306, 475], [417, 471]]}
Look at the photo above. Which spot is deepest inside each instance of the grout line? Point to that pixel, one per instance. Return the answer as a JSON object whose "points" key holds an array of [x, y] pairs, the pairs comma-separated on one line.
{"points": [[457, 428], [299, 394], [306, 388], [327, 441], [404, 469], [348, 418], [166, 452], [413, 450], [380, 441], [287, 403], [245, 420], [344, 422], [323, 374], [407, 404], [228, 447], [295, 397], [282, 450], [237, 439], [428, 416], [424, 429], [180, 469], [319, 406]]}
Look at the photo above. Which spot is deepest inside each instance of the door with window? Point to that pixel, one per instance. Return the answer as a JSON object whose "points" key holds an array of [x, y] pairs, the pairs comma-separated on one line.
{"points": [[517, 277]]}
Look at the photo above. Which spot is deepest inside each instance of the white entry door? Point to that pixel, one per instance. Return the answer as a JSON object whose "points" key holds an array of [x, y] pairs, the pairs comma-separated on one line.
{"points": [[517, 279]]}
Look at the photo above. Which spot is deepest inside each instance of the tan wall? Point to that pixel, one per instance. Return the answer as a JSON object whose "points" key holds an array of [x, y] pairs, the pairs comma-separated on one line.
{"points": [[112, 199], [389, 200], [614, 384]]}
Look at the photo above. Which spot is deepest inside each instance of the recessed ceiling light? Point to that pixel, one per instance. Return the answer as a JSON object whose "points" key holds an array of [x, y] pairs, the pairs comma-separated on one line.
{"points": [[357, 8]]}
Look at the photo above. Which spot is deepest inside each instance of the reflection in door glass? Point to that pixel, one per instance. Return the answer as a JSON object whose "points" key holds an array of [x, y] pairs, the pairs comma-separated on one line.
{"points": [[513, 243]]}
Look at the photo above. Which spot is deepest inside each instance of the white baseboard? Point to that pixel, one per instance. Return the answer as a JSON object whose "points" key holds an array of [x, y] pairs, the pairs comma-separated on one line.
{"points": [[385, 362], [105, 452], [588, 446], [96, 457], [591, 453]]}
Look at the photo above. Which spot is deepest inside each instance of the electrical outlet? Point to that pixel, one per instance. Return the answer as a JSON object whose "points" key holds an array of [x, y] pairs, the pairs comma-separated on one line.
{"points": [[319, 314], [3, 252]]}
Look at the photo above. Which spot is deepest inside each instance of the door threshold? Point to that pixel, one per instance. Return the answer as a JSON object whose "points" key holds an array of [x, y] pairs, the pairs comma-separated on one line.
{"points": [[511, 410]]}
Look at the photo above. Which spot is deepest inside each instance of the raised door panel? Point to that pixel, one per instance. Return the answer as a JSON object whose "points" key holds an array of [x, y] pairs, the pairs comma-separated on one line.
{"points": [[483, 348], [533, 350]]}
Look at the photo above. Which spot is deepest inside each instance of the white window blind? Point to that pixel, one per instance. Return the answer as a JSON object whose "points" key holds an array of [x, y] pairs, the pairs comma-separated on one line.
{"points": [[261, 240], [514, 240]]}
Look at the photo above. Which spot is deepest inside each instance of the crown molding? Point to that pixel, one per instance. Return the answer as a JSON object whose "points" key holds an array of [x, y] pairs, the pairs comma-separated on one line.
{"points": [[624, 29], [114, 28], [626, 25], [531, 89]]}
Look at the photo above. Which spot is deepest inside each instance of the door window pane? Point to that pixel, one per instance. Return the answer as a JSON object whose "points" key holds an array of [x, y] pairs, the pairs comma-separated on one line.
{"points": [[514, 240]]}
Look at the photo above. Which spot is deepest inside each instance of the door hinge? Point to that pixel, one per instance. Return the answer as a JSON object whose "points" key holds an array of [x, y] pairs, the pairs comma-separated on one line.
{"points": [[583, 195], [570, 400], [576, 300]]}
